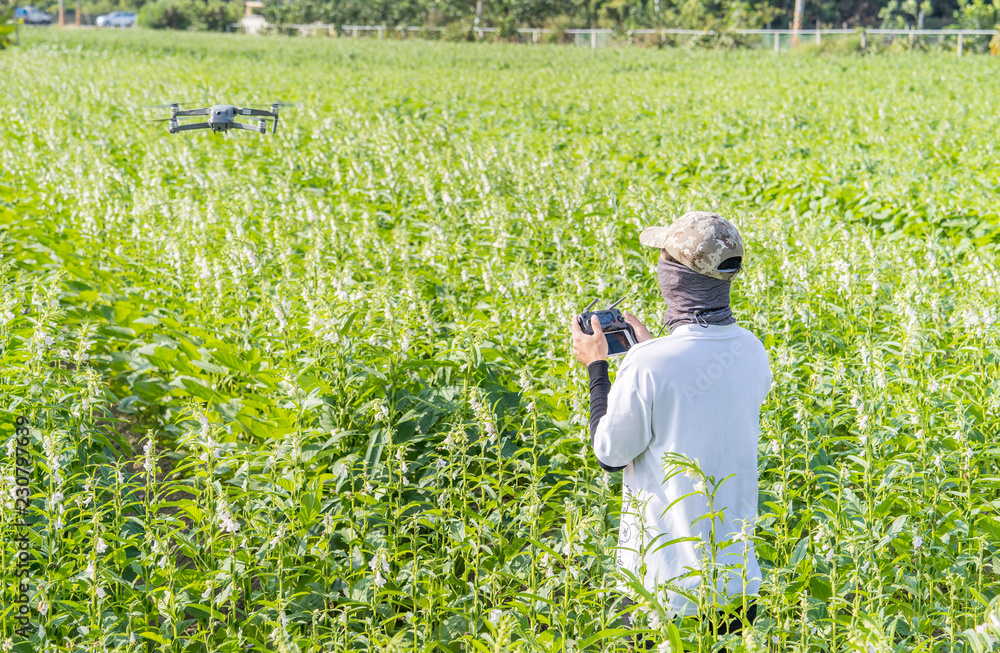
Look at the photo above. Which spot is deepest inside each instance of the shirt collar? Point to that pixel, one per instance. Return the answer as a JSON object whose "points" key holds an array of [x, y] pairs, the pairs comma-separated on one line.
{"points": [[710, 330]]}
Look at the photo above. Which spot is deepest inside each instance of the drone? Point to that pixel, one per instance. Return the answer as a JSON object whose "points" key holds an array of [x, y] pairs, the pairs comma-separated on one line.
{"points": [[221, 118]]}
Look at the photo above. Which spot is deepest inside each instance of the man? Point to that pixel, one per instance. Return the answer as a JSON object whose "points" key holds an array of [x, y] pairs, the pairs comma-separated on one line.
{"points": [[695, 392]]}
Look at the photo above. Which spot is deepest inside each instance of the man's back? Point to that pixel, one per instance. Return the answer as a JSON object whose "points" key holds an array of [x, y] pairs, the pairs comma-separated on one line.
{"points": [[697, 393]]}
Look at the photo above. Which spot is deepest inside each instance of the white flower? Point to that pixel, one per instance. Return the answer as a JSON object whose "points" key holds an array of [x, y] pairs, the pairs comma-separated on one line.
{"points": [[207, 594], [277, 536], [100, 592], [933, 386], [204, 425], [404, 468], [91, 571], [100, 546], [379, 581], [226, 521], [495, 615], [43, 608], [775, 447], [699, 487], [918, 543], [131, 638], [41, 631], [441, 463], [368, 487]]}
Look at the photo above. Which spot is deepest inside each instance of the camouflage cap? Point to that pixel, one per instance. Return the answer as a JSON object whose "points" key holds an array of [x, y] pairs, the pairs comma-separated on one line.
{"points": [[700, 240]]}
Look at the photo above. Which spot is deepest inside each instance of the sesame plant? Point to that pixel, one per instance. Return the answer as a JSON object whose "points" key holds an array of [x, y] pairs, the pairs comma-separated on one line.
{"points": [[313, 391]]}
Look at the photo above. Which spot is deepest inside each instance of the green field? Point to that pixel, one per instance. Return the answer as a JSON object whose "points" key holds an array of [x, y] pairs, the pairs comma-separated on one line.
{"points": [[315, 392]]}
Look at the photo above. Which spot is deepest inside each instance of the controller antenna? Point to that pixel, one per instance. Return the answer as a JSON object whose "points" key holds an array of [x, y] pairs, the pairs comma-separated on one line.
{"points": [[615, 304]]}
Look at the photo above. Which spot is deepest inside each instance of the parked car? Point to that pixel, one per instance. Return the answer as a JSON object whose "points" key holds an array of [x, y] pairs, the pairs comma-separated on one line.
{"points": [[117, 19], [32, 16]]}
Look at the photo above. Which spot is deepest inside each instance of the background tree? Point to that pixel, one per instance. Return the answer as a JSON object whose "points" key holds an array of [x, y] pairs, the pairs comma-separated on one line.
{"points": [[7, 25]]}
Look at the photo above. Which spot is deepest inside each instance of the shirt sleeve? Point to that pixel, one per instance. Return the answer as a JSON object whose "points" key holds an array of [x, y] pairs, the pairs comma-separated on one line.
{"points": [[625, 430], [600, 385]]}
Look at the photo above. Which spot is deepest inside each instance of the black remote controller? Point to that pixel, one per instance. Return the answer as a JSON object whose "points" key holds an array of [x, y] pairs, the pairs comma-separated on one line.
{"points": [[617, 331]]}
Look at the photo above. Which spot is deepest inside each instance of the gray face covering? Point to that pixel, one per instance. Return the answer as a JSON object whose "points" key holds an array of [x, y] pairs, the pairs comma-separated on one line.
{"points": [[692, 297]]}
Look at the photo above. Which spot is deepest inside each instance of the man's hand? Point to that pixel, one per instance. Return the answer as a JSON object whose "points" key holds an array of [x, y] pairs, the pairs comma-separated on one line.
{"points": [[586, 348], [642, 334]]}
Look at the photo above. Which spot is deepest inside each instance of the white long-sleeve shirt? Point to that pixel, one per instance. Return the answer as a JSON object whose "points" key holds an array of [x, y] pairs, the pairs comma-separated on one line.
{"points": [[696, 392]]}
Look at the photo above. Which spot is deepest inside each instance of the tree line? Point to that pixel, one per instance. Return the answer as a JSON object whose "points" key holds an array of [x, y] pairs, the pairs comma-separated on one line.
{"points": [[508, 15], [628, 14]]}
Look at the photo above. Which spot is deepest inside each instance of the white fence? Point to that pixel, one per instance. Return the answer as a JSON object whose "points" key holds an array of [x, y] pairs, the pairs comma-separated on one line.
{"points": [[595, 37]]}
